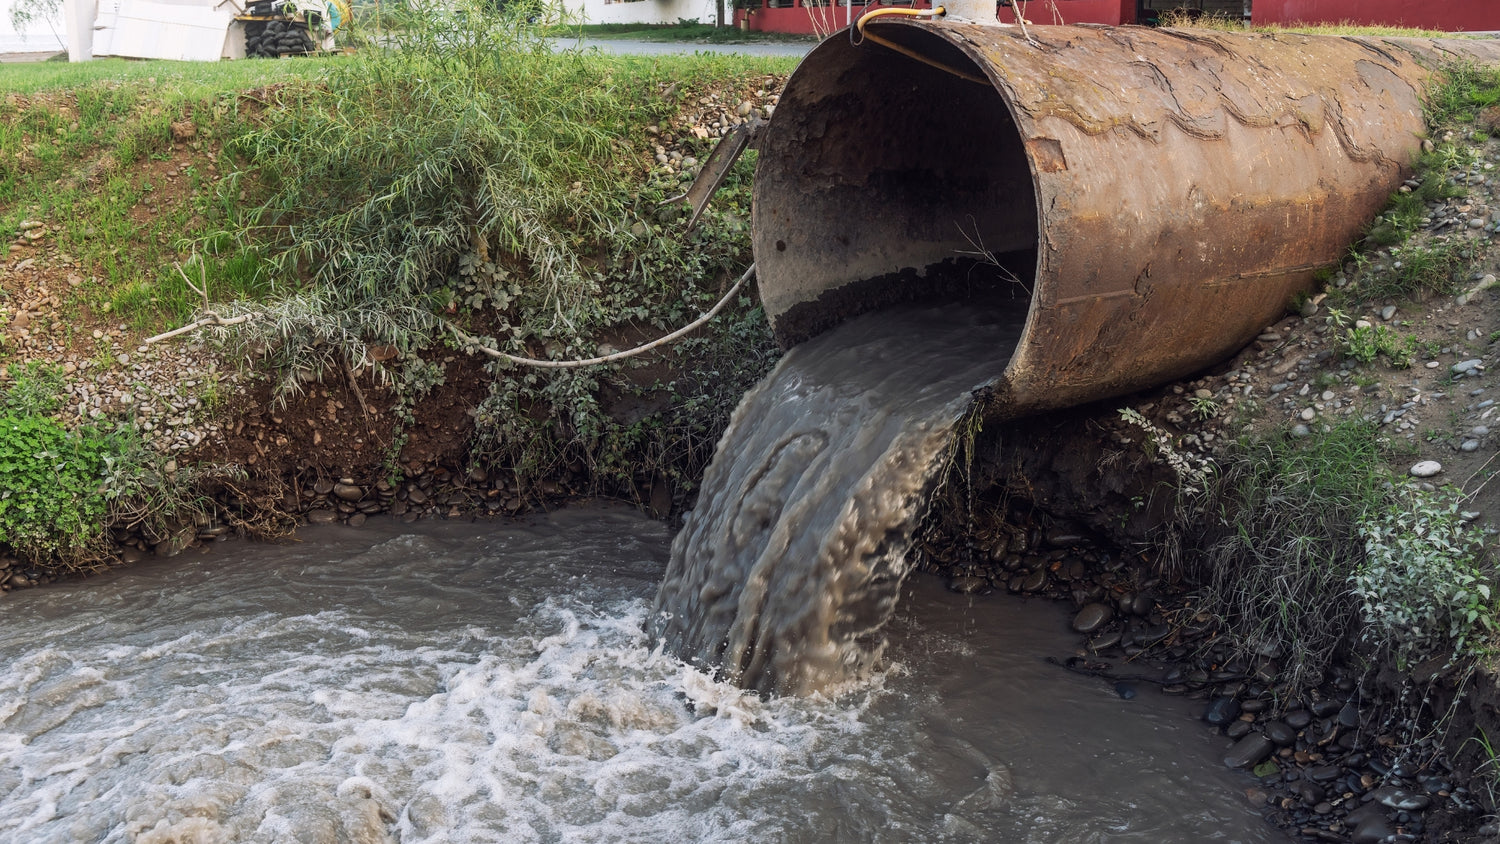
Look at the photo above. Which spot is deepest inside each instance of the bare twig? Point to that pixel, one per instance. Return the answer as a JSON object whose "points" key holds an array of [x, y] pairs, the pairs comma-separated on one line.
{"points": [[209, 316]]}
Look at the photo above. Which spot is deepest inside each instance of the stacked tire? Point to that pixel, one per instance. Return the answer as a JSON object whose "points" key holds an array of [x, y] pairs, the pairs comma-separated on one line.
{"points": [[273, 39]]}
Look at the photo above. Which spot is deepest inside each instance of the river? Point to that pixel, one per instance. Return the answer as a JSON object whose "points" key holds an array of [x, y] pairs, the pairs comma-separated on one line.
{"points": [[490, 682]]}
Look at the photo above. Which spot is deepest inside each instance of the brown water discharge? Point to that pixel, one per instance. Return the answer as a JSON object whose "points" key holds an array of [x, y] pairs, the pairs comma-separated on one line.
{"points": [[449, 683], [793, 560]]}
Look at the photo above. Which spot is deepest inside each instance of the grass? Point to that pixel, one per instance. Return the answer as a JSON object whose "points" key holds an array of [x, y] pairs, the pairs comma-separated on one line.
{"points": [[1299, 543], [480, 176], [1187, 20], [86, 147]]}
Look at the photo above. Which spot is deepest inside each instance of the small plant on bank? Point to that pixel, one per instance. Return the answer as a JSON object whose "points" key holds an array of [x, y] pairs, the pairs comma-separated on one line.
{"points": [[1367, 343], [1275, 538], [52, 498], [1423, 585]]}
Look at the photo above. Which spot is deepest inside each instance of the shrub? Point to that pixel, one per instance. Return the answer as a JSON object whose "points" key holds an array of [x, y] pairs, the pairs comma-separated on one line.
{"points": [[52, 501], [1422, 586]]}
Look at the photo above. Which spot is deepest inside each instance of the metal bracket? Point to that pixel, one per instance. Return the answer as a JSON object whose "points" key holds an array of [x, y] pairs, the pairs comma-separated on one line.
{"points": [[716, 167]]}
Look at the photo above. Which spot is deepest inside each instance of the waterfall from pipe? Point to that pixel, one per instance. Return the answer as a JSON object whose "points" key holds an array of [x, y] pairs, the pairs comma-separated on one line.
{"points": [[783, 576]]}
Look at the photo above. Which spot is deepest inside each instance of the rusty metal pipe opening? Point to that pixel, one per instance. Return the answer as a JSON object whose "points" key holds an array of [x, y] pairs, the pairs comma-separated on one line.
{"points": [[1153, 198], [871, 189]]}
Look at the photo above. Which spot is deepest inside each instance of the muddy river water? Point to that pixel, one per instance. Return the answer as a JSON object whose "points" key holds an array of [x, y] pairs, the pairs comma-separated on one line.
{"points": [[491, 682]]}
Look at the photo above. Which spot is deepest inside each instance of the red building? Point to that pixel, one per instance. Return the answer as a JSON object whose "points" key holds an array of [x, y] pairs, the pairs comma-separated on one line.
{"points": [[823, 17]]}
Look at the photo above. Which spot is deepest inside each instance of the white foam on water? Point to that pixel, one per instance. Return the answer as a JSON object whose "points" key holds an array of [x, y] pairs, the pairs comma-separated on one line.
{"points": [[573, 729], [345, 690]]}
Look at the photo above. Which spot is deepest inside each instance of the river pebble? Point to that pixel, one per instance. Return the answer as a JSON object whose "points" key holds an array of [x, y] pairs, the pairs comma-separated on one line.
{"points": [[1092, 617], [1249, 751], [1426, 469]]}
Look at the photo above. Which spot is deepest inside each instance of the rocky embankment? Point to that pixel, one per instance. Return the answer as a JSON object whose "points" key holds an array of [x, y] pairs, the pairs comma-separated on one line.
{"points": [[1342, 759]]}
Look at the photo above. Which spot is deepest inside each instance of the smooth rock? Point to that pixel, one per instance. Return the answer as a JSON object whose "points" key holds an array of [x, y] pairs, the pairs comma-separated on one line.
{"points": [[1323, 773], [1092, 617], [1387, 312], [322, 517], [1426, 469], [1280, 733], [1249, 751], [1221, 711], [1035, 582], [348, 492], [1396, 798], [968, 585], [1370, 831]]}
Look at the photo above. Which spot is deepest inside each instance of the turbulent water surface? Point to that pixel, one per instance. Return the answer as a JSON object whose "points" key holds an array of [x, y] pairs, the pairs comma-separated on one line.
{"points": [[492, 683], [790, 565]]}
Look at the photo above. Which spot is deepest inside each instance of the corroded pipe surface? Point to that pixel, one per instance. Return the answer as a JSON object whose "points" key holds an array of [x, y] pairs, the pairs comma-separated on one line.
{"points": [[1156, 197]]}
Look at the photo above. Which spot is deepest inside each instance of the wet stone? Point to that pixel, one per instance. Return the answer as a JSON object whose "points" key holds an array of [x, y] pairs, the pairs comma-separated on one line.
{"points": [[1397, 798], [1238, 729], [1248, 751], [1280, 733], [357, 519], [1035, 582], [1107, 639], [348, 492], [322, 517], [1370, 831], [968, 585], [1349, 715], [1092, 617], [1309, 793], [1298, 719], [1324, 773], [1324, 708], [1221, 711], [323, 486]]}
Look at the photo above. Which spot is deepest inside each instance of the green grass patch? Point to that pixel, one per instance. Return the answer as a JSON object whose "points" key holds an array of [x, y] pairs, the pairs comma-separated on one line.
{"points": [[1308, 544], [85, 147], [1463, 90], [478, 175]]}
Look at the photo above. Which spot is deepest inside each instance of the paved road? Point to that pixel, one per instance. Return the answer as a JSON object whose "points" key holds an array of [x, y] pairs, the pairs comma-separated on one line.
{"points": [[795, 49]]}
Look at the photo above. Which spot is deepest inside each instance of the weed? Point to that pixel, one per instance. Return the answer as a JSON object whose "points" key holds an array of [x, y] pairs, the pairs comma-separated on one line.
{"points": [[1274, 537], [1366, 343], [1422, 585], [1461, 91], [1204, 408], [51, 499]]}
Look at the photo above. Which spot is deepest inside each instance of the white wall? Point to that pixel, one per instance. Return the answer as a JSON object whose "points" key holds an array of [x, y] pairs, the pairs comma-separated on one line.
{"points": [[642, 11]]}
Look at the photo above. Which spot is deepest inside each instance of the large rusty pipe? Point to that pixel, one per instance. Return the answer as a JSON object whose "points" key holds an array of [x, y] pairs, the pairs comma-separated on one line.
{"points": [[1159, 194]]}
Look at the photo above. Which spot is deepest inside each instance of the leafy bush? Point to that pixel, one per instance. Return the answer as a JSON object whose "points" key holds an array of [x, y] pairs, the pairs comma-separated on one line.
{"points": [[1422, 586], [52, 502]]}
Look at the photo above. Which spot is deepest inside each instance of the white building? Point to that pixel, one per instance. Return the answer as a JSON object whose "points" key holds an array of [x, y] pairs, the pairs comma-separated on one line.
{"points": [[642, 11]]}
